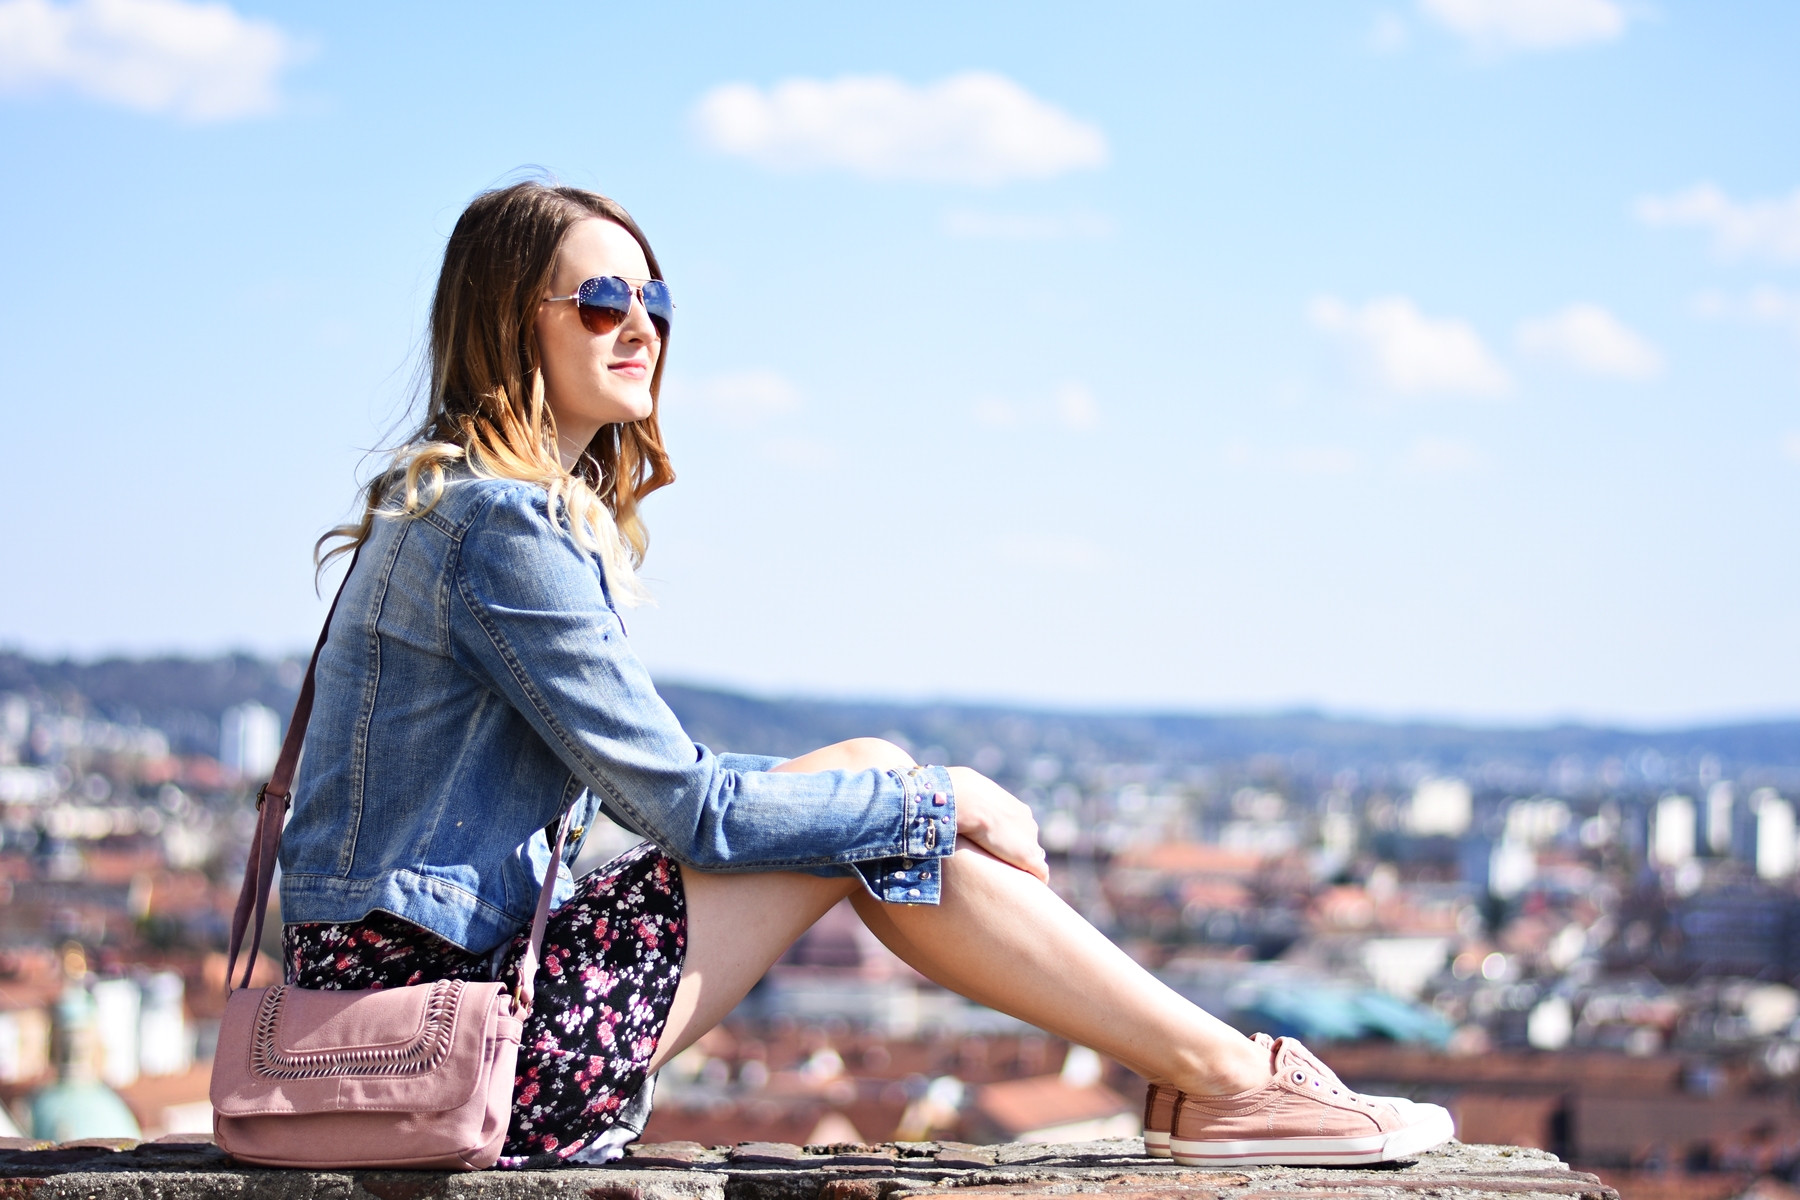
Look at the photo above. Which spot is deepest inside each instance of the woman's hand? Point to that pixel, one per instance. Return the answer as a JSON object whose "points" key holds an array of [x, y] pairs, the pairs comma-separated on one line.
{"points": [[997, 821]]}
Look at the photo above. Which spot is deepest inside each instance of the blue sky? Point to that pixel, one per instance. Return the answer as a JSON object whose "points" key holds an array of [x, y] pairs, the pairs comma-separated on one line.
{"points": [[1429, 358]]}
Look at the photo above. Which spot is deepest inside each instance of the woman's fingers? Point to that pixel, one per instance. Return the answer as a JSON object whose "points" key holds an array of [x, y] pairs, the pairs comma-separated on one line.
{"points": [[1015, 842], [999, 822]]}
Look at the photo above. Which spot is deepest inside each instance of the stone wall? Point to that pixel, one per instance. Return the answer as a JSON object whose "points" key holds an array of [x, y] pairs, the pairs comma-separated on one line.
{"points": [[188, 1168]]}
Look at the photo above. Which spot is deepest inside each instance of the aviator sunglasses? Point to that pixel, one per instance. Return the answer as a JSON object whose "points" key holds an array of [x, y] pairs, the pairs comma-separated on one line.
{"points": [[604, 301]]}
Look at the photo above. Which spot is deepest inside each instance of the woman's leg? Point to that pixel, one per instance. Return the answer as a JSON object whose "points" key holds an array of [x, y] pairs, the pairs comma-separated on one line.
{"points": [[1005, 940], [738, 925], [999, 937]]}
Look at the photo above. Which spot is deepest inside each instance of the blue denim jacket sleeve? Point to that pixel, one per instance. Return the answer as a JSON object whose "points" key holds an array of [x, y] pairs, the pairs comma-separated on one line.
{"points": [[531, 617], [748, 762]]}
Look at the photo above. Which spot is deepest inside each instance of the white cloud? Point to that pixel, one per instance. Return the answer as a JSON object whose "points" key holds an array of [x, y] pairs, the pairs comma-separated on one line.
{"points": [[1076, 407], [740, 399], [201, 61], [977, 127], [1498, 25], [1430, 455], [1026, 227], [1764, 305], [1592, 340], [1768, 228], [1409, 352]]}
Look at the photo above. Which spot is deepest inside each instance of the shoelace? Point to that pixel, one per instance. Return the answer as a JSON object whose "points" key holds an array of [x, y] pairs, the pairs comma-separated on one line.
{"points": [[1352, 1097], [1339, 1089]]}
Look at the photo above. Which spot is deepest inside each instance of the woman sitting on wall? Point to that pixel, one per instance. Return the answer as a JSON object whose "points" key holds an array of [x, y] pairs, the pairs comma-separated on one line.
{"points": [[478, 682]]}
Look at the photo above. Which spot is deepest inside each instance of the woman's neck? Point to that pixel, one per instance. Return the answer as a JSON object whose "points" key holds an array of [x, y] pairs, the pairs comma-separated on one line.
{"points": [[570, 448]]}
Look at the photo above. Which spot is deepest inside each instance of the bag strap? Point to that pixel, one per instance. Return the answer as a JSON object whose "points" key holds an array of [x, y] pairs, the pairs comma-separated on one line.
{"points": [[271, 810], [271, 815], [524, 992]]}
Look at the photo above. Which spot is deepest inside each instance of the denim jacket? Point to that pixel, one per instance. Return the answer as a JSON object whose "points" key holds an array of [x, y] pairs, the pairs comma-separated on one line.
{"points": [[477, 680]]}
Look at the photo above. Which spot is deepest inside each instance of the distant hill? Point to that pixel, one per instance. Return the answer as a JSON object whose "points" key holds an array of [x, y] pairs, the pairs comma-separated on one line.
{"points": [[185, 697], [1306, 743]]}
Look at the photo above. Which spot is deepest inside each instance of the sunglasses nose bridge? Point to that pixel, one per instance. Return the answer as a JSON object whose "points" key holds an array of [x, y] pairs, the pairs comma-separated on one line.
{"points": [[639, 312]]}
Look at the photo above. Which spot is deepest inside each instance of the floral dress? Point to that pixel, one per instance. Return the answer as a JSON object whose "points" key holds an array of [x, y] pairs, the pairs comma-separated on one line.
{"points": [[611, 959]]}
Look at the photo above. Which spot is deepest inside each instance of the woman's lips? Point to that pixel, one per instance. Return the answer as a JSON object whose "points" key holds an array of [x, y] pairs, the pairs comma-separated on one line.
{"points": [[635, 370]]}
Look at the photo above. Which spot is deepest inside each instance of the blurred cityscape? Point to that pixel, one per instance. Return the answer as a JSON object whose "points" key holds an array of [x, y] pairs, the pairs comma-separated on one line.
{"points": [[1579, 939]]}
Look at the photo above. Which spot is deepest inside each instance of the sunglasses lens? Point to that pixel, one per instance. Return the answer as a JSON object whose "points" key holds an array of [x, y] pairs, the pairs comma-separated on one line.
{"points": [[658, 304], [603, 303], [600, 320]]}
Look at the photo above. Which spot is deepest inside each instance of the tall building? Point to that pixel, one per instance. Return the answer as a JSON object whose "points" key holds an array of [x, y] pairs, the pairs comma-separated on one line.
{"points": [[1719, 799], [1672, 837], [250, 739], [1775, 844], [1441, 807]]}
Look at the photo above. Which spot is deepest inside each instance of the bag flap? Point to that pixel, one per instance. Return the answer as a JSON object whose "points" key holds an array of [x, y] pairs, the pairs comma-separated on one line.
{"points": [[412, 1049], [314, 1023]]}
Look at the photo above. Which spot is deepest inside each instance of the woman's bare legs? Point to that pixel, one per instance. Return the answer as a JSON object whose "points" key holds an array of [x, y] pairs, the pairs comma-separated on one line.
{"points": [[999, 937], [1005, 940], [738, 925]]}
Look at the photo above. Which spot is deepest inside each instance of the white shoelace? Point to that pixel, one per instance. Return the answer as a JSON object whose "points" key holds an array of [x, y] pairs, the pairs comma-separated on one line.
{"points": [[1324, 1074]]}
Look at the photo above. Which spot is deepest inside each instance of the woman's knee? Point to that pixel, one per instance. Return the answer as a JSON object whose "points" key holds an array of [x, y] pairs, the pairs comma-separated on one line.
{"points": [[877, 753], [856, 754]]}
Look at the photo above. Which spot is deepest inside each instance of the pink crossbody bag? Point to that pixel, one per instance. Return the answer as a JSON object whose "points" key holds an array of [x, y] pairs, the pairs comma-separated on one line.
{"points": [[416, 1077]]}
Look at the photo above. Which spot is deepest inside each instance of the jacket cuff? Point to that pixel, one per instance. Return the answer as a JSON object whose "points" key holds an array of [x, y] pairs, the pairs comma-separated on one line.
{"points": [[929, 804]]}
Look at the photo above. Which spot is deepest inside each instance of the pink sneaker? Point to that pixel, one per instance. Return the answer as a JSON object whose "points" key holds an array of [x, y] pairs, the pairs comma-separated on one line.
{"points": [[1159, 1118], [1304, 1114], [1160, 1102]]}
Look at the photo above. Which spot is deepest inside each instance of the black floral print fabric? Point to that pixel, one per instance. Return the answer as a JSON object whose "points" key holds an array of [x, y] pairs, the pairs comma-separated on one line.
{"points": [[611, 959]]}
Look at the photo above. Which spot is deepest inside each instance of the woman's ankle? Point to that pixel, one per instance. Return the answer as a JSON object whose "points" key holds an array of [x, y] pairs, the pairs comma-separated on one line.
{"points": [[1230, 1068]]}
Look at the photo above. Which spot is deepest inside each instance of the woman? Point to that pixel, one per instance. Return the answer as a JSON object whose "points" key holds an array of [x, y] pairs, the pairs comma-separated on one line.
{"points": [[478, 682]]}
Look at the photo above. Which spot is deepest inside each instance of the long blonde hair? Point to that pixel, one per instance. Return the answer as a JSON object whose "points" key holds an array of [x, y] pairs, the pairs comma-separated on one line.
{"points": [[484, 402]]}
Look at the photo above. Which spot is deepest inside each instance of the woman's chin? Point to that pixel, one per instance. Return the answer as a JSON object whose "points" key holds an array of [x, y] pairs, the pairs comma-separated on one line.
{"points": [[622, 409]]}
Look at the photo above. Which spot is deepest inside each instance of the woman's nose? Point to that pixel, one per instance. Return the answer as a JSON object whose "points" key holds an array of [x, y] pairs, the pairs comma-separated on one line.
{"points": [[637, 325]]}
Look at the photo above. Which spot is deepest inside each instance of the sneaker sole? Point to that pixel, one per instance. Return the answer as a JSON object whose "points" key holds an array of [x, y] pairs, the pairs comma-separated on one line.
{"points": [[1410, 1142]]}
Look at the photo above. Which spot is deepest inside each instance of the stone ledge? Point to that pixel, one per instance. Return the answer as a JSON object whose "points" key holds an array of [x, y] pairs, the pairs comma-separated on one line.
{"points": [[193, 1169]]}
